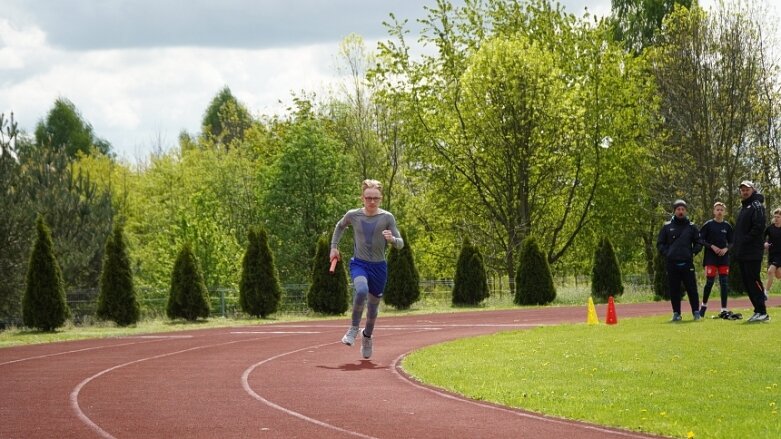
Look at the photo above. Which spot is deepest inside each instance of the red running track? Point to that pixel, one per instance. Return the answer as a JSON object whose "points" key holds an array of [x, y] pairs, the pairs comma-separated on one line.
{"points": [[291, 380]]}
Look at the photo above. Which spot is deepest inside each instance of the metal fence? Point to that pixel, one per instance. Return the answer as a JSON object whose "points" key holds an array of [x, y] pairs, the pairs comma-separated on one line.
{"points": [[434, 292]]}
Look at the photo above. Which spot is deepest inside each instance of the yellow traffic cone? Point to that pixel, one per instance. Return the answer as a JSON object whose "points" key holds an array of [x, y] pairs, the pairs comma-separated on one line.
{"points": [[592, 313]]}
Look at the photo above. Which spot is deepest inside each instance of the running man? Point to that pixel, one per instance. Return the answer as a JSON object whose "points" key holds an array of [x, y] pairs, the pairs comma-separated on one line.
{"points": [[373, 230], [716, 237], [773, 246]]}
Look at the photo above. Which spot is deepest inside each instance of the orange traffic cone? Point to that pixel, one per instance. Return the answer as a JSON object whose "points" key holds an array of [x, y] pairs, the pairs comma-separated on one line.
{"points": [[611, 318], [592, 318]]}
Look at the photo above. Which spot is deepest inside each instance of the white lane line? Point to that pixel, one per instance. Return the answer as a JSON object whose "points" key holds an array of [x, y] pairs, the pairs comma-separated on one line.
{"points": [[397, 370], [76, 351], [252, 393], [275, 332], [74, 396], [159, 336]]}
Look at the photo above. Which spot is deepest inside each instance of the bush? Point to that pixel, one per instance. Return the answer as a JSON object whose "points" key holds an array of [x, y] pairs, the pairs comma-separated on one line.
{"points": [[606, 273], [117, 300], [533, 283], [403, 288], [188, 298], [43, 305], [735, 282], [328, 293], [661, 284], [470, 283], [259, 291]]}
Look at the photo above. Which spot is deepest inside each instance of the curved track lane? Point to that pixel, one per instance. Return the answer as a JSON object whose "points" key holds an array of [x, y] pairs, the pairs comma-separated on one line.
{"points": [[293, 380]]}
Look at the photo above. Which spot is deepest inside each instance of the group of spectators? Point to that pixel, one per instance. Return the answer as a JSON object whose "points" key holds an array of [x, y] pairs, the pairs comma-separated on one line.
{"points": [[680, 240]]}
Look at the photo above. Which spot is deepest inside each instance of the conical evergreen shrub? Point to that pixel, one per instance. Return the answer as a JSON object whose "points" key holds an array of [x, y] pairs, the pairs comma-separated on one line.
{"points": [[328, 293], [533, 282], [606, 273], [470, 284], [259, 292], [661, 284], [43, 305], [403, 287], [735, 280], [189, 298], [117, 300]]}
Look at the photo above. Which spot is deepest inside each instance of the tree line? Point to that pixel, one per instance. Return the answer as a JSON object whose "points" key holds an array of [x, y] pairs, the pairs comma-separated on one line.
{"points": [[516, 120]]}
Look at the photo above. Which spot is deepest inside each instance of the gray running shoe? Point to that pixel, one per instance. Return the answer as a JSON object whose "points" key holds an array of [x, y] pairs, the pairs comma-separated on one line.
{"points": [[349, 337], [366, 346], [762, 318], [753, 318], [676, 317]]}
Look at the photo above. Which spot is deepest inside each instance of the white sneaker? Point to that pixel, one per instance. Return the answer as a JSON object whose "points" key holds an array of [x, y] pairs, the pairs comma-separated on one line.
{"points": [[366, 346], [753, 318], [349, 336], [762, 318]]}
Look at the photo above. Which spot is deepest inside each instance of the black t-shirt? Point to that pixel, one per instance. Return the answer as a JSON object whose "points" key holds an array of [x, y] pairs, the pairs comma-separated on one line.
{"points": [[718, 234], [773, 236]]}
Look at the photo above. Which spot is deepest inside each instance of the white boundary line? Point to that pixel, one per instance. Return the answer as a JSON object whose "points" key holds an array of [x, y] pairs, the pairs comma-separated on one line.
{"points": [[74, 396], [252, 393], [396, 367], [37, 357]]}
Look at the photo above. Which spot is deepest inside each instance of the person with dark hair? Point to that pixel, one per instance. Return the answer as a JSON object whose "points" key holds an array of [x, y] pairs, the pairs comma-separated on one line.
{"points": [[716, 237], [678, 242], [773, 246], [749, 247]]}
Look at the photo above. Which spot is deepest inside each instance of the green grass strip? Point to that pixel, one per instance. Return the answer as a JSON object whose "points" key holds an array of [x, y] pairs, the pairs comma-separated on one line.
{"points": [[709, 379]]}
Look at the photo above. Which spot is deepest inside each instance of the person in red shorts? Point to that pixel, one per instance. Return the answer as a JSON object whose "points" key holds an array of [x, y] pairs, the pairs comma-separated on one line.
{"points": [[716, 236]]}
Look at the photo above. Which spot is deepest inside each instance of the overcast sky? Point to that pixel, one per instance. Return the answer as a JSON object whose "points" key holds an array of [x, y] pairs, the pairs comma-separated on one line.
{"points": [[141, 71]]}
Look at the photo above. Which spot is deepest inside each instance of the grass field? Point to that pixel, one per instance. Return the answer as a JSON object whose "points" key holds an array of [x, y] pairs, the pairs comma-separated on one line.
{"points": [[711, 379]]}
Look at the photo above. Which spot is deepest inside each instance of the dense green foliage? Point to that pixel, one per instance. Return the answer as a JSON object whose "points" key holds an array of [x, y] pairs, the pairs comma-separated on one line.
{"points": [[605, 273], [188, 298], [403, 287], [226, 120], [64, 129], [259, 291], [43, 305], [117, 300], [534, 283], [328, 293], [470, 283], [308, 188]]}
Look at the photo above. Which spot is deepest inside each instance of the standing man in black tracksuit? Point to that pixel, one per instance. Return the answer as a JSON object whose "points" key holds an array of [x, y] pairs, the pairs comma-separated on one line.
{"points": [[749, 246], [678, 242]]}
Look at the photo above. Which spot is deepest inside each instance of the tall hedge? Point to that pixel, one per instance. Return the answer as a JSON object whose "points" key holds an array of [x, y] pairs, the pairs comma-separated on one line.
{"points": [[117, 300], [605, 273], [188, 298], [470, 284], [403, 287], [43, 305], [735, 280], [328, 293], [661, 284], [533, 282], [259, 291]]}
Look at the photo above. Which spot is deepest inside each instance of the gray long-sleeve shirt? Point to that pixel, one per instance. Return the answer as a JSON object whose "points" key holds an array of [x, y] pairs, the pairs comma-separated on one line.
{"points": [[369, 242]]}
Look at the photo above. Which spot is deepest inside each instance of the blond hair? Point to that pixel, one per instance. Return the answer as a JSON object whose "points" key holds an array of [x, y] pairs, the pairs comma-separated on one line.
{"points": [[371, 184], [719, 203], [777, 211]]}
